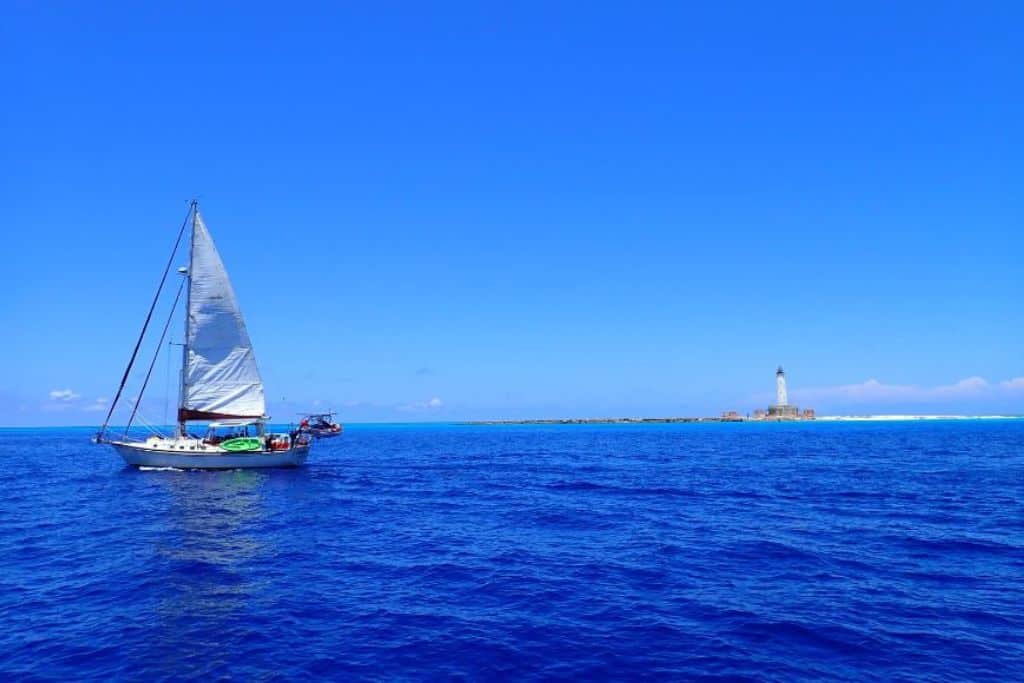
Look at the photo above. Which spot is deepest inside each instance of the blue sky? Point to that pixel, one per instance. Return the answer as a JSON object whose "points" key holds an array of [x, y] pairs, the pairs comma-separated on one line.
{"points": [[540, 209]]}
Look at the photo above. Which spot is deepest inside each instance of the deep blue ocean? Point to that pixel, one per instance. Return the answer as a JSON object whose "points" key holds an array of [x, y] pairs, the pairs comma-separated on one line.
{"points": [[823, 551]]}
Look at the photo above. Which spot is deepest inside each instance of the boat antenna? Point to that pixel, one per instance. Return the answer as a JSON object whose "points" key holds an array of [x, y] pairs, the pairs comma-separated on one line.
{"points": [[145, 325]]}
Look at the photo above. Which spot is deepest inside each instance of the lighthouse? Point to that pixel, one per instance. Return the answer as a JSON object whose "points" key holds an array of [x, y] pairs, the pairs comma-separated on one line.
{"points": [[782, 410], [780, 387]]}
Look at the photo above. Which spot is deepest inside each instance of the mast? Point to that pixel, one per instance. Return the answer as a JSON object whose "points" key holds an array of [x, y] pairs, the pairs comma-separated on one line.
{"points": [[183, 386]]}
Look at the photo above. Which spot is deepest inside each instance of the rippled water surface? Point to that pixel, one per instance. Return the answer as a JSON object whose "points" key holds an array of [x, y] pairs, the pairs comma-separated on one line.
{"points": [[769, 552]]}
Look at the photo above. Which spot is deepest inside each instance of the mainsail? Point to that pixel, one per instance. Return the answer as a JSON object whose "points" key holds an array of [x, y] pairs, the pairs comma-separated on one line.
{"points": [[221, 379]]}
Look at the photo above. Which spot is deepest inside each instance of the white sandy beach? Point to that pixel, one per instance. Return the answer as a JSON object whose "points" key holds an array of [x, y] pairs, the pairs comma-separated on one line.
{"points": [[898, 418]]}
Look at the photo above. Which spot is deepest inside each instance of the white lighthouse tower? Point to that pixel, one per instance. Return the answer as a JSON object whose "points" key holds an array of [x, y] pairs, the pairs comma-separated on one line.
{"points": [[782, 410], [780, 388]]}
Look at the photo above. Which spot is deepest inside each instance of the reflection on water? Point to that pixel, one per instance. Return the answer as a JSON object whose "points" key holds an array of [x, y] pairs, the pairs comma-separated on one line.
{"points": [[208, 557]]}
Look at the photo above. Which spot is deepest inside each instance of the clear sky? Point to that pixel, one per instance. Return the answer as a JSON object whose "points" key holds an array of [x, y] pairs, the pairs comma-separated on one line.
{"points": [[443, 211]]}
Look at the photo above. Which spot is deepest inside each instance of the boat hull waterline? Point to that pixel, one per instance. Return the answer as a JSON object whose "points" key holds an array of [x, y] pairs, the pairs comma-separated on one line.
{"points": [[138, 455]]}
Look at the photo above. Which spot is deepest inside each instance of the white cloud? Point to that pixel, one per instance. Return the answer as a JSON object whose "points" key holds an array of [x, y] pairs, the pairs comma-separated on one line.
{"points": [[432, 404], [971, 386], [870, 390], [99, 404], [1015, 384], [874, 391], [64, 395]]}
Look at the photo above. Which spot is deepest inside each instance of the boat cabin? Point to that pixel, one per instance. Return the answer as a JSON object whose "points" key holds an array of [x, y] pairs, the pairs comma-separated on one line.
{"points": [[225, 430], [319, 420]]}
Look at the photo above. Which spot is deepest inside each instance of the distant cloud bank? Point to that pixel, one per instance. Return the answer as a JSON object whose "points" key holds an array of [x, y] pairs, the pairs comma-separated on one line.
{"points": [[874, 391]]}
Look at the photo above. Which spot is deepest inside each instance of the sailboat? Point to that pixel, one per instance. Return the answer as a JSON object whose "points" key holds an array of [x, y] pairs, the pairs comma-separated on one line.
{"points": [[220, 384]]}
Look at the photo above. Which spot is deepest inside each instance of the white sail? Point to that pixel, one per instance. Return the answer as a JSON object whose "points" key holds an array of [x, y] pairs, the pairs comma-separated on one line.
{"points": [[221, 377]]}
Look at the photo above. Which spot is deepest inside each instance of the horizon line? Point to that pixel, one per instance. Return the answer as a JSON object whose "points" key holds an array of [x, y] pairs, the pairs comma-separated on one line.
{"points": [[861, 417]]}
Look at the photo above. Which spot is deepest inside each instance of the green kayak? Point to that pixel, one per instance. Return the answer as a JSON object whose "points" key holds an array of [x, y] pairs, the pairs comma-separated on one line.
{"points": [[245, 443]]}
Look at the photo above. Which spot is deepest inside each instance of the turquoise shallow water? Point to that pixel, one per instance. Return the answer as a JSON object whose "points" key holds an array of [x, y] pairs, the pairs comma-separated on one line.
{"points": [[762, 552]]}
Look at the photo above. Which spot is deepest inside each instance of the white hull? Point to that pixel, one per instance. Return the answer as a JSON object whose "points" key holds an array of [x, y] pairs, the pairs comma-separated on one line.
{"points": [[144, 455]]}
